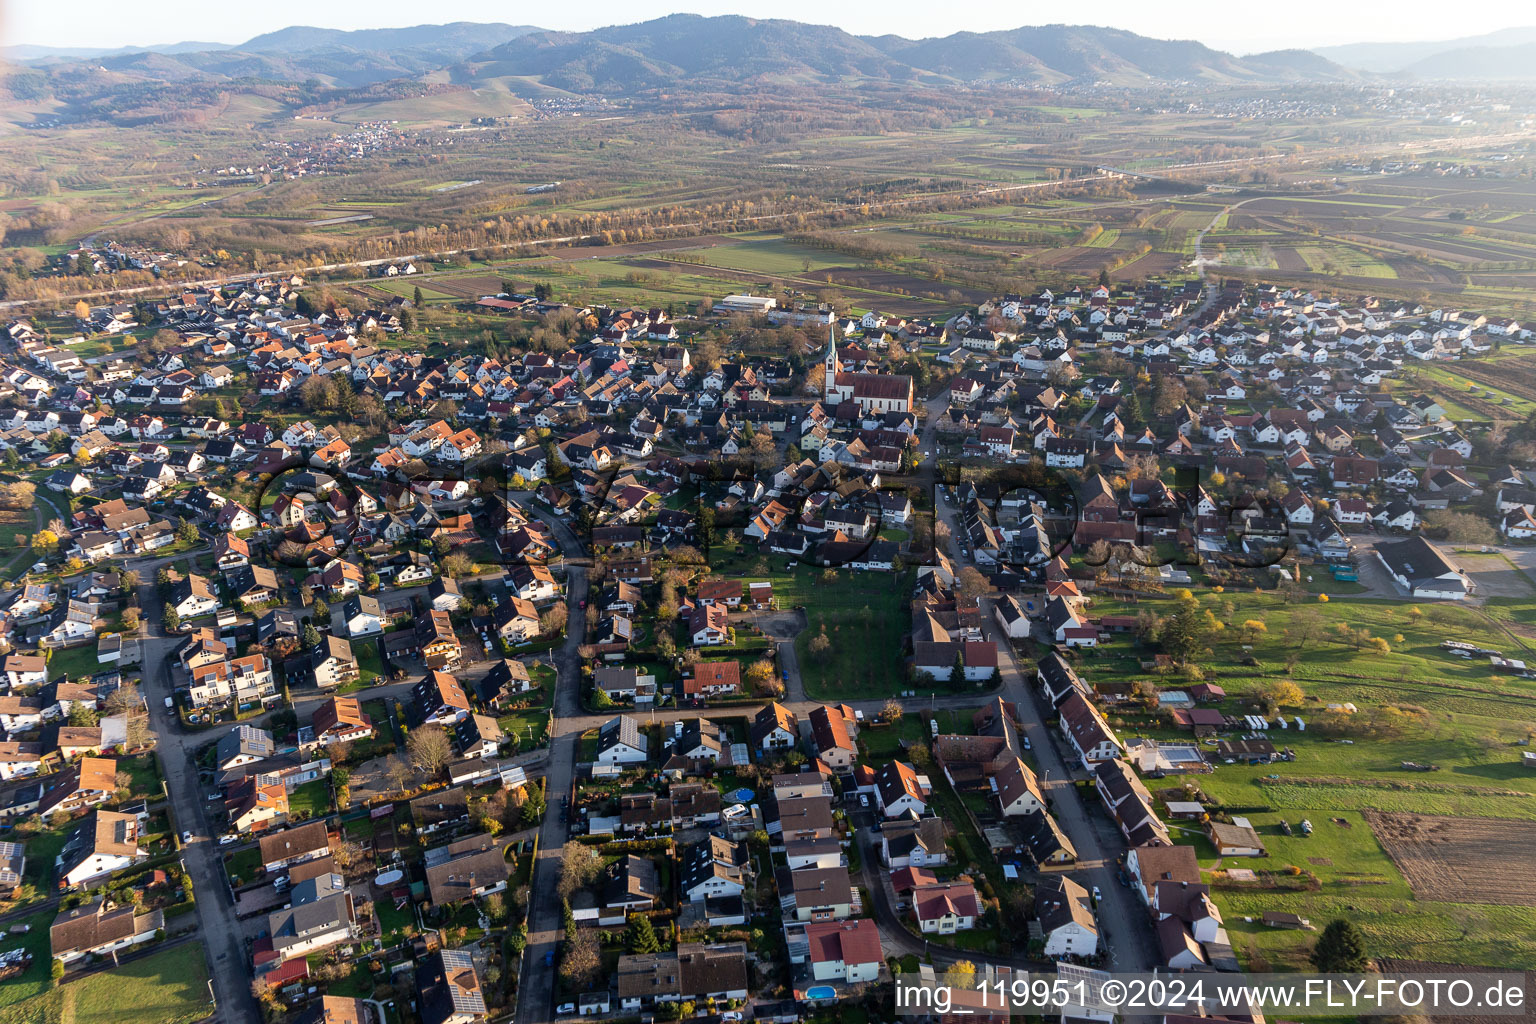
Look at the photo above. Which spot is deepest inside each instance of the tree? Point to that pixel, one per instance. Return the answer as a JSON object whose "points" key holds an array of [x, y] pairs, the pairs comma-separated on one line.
{"points": [[310, 637], [533, 807], [892, 712], [124, 700], [553, 620], [820, 646], [83, 716], [171, 620], [399, 773], [1183, 634], [1281, 693], [581, 961], [429, 749], [1461, 527], [131, 619], [416, 299], [186, 533], [1129, 412], [970, 584], [44, 543], [579, 867], [964, 967], [641, 935], [760, 674], [957, 673], [21, 496], [1340, 949], [1168, 395]]}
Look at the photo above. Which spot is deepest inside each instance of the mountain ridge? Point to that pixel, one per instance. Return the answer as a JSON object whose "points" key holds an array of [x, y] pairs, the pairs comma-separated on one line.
{"points": [[650, 54], [1390, 58]]}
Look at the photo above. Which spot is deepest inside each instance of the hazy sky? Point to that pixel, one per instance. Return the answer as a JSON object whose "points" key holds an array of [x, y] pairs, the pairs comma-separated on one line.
{"points": [[1239, 27]]}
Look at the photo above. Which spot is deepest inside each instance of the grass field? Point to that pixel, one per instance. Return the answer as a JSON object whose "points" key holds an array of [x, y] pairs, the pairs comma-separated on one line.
{"points": [[1460, 717], [170, 987], [864, 616]]}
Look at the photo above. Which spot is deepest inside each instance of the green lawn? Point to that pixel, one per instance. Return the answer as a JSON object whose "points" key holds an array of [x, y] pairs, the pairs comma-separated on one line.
{"points": [[74, 662], [170, 987], [145, 775], [244, 864], [35, 980], [369, 666], [882, 743], [311, 800]]}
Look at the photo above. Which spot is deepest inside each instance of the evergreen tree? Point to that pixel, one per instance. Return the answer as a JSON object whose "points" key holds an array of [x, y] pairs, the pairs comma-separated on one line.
{"points": [[641, 936], [1341, 949], [1129, 411]]}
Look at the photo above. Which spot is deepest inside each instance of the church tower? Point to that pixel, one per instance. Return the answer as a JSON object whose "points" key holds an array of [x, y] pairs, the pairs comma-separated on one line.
{"points": [[832, 364]]}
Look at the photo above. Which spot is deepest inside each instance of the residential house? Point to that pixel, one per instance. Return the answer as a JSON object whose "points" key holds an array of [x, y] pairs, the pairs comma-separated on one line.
{"points": [[946, 908], [775, 728], [620, 742], [448, 989], [104, 843], [294, 846], [341, 720], [99, 928], [844, 951], [1066, 918], [439, 700]]}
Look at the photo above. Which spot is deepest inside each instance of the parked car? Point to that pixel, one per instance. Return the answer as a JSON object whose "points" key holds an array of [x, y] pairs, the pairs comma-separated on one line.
{"points": [[565, 1008], [186, 837], [226, 840]]}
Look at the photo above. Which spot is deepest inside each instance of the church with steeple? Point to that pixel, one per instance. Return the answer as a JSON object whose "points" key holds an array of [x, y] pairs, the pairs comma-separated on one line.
{"points": [[871, 392]]}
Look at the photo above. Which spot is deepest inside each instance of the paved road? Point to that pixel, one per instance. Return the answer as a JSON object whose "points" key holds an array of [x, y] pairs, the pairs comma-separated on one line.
{"points": [[222, 937], [536, 984], [1123, 921]]}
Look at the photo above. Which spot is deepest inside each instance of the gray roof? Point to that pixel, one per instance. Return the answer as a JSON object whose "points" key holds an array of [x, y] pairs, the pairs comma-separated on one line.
{"points": [[245, 740], [302, 922], [622, 729]]}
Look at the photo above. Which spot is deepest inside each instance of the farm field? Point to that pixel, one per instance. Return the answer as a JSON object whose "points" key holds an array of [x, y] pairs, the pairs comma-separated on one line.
{"points": [[1461, 860]]}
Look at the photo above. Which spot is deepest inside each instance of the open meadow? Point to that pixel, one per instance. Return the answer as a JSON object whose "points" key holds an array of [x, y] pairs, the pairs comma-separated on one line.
{"points": [[1359, 776], [168, 987]]}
